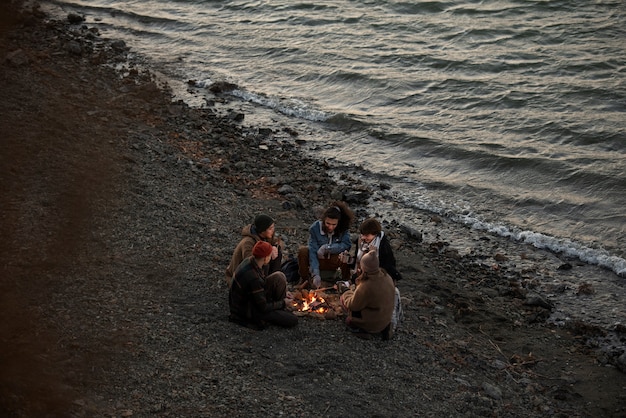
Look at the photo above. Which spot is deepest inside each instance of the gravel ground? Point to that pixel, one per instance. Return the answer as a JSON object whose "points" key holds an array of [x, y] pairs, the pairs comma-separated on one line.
{"points": [[119, 214]]}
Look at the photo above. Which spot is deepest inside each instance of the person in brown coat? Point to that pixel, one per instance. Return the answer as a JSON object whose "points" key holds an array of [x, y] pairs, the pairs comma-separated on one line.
{"points": [[262, 229], [371, 303]]}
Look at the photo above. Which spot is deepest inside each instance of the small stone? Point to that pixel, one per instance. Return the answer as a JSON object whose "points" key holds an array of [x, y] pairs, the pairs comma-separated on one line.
{"points": [[413, 233], [75, 18], [585, 289], [286, 189], [439, 310], [534, 299], [265, 132], [492, 391], [621, 362], [74, 48], [498, 364], [17, 58], [236, 116], [119, 46]]}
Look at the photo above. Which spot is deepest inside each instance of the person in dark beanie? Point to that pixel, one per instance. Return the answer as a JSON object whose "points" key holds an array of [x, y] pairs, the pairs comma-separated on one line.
{"points": [[256, 300], [262, 229], [370, 304], [263, 222]]}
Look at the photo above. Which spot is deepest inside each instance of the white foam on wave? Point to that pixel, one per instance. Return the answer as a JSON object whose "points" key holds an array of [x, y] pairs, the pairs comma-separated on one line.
{"points": [[203, 83], [290, 107], [418, 198], [595, 256]]}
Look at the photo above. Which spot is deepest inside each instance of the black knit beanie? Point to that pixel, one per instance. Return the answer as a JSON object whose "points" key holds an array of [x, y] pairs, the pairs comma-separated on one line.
{"points": [[262, 222]]}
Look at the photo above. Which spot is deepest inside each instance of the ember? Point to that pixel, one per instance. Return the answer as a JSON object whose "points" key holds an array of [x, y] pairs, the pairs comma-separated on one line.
{"points": [[316, 303], [310, 301]]}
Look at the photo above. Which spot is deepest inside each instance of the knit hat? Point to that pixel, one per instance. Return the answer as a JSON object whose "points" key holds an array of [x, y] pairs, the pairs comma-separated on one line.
{"points": [[369, 263], [262, 222], [261, 249]]}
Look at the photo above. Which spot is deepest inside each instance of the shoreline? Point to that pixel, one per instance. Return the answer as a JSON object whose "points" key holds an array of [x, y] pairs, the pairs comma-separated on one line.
{"points": [[124, 208], [557, 270]]}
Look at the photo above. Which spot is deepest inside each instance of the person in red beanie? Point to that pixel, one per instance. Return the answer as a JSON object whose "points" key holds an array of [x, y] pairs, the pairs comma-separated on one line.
{"points": [[256, 300], [262, 229]]}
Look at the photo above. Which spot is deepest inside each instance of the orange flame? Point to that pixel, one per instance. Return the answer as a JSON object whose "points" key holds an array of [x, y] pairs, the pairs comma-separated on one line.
{"points": [[312, 303]]}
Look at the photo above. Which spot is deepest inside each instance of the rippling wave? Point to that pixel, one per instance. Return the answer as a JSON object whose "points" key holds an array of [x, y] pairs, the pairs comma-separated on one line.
{"points": [[513, 112]]}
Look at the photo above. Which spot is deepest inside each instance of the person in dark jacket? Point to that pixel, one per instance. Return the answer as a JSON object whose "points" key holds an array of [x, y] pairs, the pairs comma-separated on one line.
{"points": [[262, 229], [256, 300], [372, 238]]}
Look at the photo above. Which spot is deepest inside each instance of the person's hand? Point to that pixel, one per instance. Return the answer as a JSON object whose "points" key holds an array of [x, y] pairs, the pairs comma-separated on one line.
{"points": [[323, 250], [317, 281], [274, 252], [342, 286]]}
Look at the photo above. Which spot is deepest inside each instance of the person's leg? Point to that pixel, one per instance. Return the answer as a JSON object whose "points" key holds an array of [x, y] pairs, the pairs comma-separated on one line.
{"points": [[387, 333], [328, 269], [355, 330], [275, 290], [345, 272], [276, 286], [281, 318], [303, 263], [331, 263]]}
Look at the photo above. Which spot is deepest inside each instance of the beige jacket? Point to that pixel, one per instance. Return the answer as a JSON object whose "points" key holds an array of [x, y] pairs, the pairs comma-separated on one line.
{"points": [[374, 298], [244, 250]]}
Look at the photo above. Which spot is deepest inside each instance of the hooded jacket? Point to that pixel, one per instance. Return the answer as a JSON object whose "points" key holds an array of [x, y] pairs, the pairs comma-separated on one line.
{"points": [[374, 297], [244, 250]]}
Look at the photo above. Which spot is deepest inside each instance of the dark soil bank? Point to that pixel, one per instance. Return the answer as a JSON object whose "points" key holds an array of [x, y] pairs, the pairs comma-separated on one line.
{"points": [[119, 213]]}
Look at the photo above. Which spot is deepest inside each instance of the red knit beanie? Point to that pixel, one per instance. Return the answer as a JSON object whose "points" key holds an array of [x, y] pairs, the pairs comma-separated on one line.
{"points": [[261, 249]]}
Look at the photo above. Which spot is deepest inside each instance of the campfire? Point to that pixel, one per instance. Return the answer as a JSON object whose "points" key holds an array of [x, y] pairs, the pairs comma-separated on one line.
{"points": [[316, 303]]}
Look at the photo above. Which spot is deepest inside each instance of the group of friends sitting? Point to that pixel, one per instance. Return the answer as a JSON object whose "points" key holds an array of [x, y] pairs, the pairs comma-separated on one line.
{"points": [[258, 288]]}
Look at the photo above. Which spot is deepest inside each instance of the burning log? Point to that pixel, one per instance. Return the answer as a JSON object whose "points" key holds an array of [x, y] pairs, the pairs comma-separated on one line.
{"points": [[316, 303]]}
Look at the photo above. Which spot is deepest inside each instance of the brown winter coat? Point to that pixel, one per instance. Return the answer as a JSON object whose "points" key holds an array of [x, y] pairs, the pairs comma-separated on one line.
{"points": [[374, 298], [244, 250]]}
